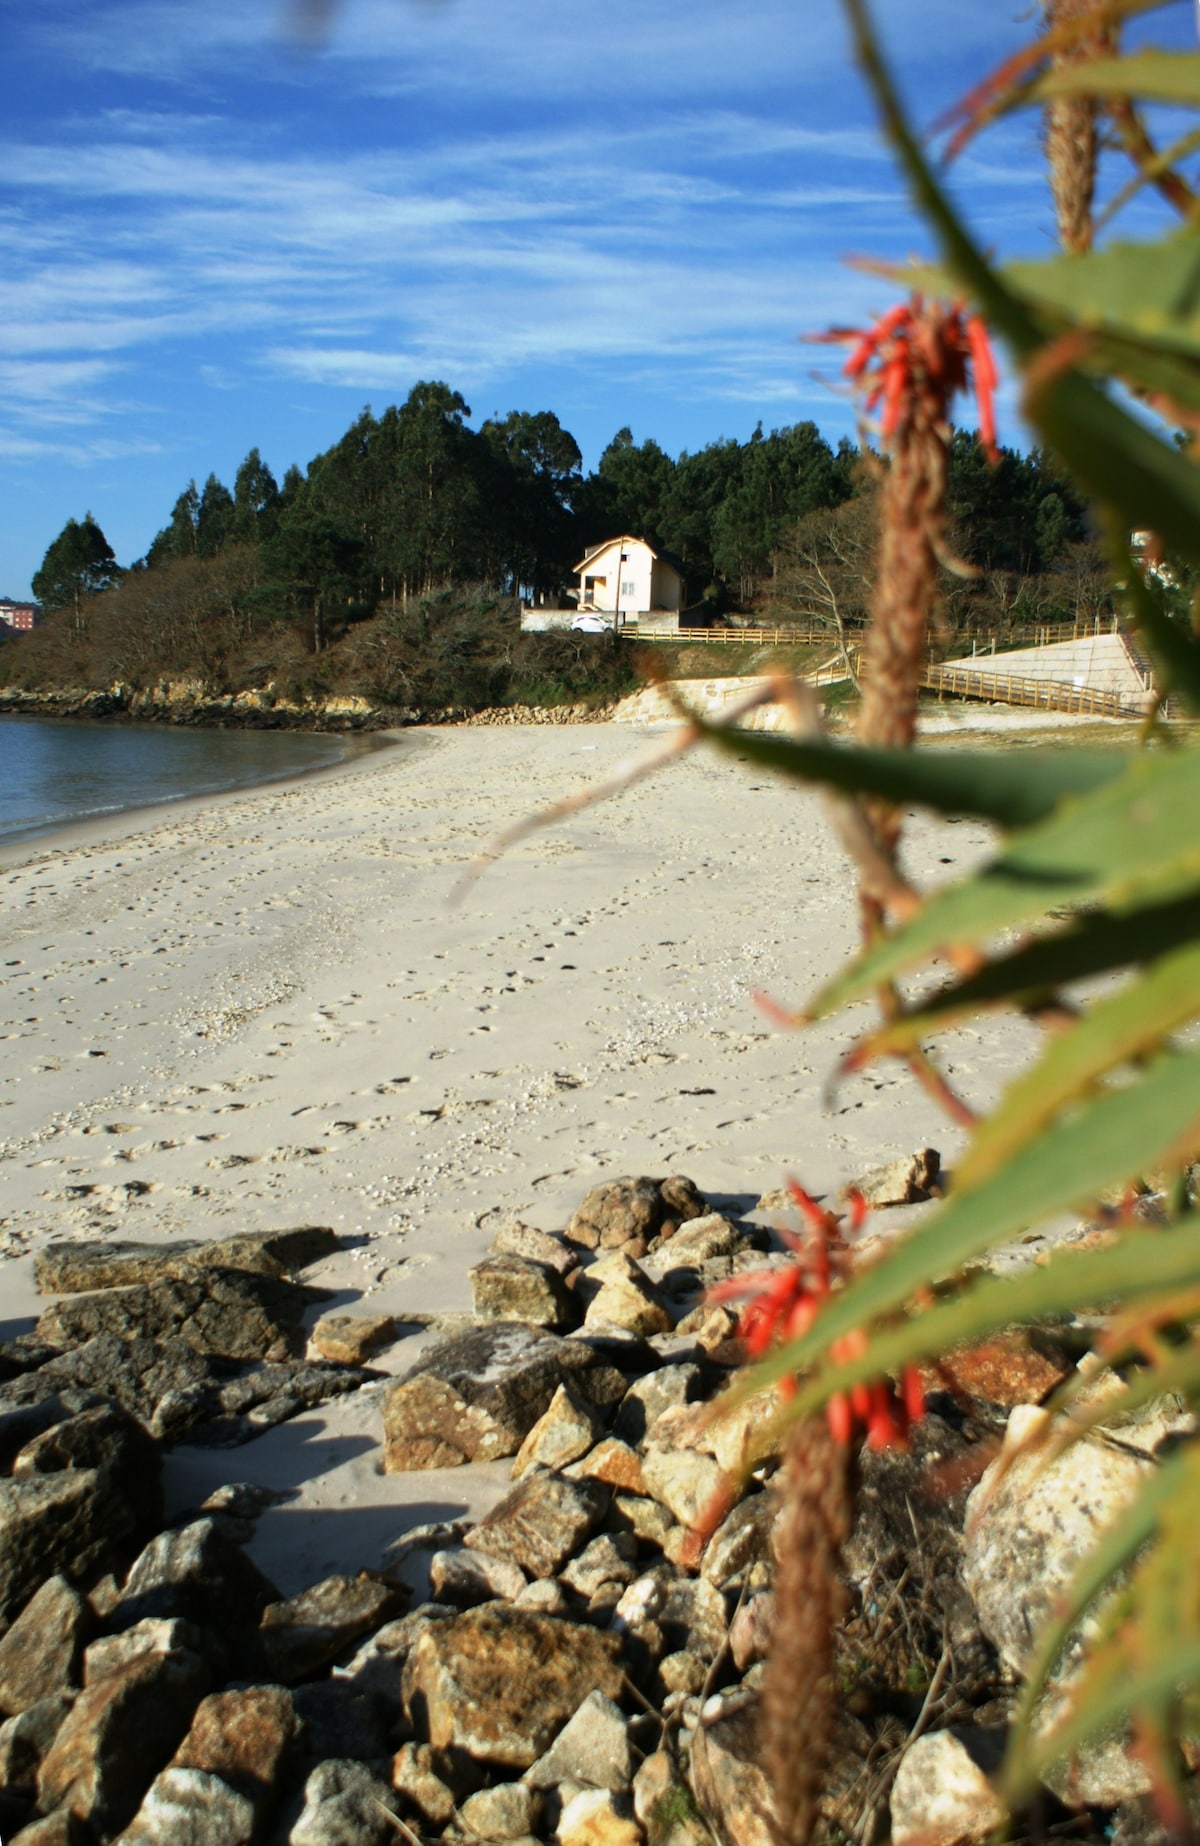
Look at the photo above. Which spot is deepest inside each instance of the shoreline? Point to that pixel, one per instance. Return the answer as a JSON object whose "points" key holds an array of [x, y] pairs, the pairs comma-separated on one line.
{"points": [[262, 1010]]}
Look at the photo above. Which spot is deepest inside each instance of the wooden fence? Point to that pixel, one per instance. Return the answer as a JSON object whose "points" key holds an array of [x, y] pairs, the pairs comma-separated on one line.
{"points": [[798, 634]]}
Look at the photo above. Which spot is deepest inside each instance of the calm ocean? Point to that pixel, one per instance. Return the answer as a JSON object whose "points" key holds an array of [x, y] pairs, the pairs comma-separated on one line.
{"points": [[54, 771]]}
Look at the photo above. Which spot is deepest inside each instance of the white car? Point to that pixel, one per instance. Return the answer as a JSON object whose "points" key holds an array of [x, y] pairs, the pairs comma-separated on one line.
{"points": [[589, 623]]}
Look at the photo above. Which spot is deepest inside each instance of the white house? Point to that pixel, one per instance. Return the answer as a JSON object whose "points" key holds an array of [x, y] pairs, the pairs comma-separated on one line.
{"points": [[627, 579]]}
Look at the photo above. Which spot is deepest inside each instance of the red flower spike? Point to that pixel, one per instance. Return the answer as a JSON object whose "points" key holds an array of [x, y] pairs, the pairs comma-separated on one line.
{"points": [[916, 359], [782, 1304]]}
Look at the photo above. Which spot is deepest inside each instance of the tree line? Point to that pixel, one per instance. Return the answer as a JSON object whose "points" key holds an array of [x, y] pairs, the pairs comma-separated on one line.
{"points": [[414, 514]]}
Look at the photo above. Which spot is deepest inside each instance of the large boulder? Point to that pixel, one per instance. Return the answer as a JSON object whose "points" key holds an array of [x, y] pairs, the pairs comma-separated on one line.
{"points": [[120, 1732], [499, 1683], [223, 1313], [76, 1268], [41, 1654], [476, 1396], [74, 1523], [541, 1522], [628, 1214]]}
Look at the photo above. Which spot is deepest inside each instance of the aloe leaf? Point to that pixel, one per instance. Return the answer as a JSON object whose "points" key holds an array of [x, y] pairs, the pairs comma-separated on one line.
{"points": [[1128, 843], [1158, 76], [1158, 1677], [1095, 943], [1143, 1265], [1152, 289], [1112, 1136], [1012, 791], [1111, 1032]]}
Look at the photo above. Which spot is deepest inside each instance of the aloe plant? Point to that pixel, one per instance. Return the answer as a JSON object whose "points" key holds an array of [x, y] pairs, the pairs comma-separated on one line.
{"points": [[1098, 868]]}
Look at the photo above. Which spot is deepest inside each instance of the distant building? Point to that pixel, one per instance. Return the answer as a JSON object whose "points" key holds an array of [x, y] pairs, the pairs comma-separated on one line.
{"points": [[18, 616], [628, 580]]}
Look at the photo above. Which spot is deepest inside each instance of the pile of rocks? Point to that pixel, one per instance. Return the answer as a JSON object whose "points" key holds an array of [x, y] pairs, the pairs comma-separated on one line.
{"points": [[575, 1670]]}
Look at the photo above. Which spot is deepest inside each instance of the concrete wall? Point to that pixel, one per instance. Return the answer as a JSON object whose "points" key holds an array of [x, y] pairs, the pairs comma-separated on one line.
{"points": [[1096, 661]]}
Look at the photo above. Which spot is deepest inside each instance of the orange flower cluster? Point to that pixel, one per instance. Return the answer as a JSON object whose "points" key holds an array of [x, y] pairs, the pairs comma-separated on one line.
{"points": [[784, 1303], [914, 353]]}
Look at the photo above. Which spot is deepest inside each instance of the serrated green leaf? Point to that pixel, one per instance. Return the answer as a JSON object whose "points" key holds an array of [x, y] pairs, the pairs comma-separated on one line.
{"points": [[1012, 791], [1113, 1137], [1158, 76], [1095, 943], [1112, 1031], [1133, 841]]}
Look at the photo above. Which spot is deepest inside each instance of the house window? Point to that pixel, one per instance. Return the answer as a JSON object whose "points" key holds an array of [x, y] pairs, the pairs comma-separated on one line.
{"points": [[629, 588]]}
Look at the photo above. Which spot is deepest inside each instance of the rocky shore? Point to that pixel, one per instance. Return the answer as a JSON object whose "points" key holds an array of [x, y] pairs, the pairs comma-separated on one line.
{"points": [[572, 1666], [192, 702]]}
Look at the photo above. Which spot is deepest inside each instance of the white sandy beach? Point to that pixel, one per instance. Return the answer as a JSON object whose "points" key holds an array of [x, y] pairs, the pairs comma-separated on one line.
{"points": [[262, 1011]]}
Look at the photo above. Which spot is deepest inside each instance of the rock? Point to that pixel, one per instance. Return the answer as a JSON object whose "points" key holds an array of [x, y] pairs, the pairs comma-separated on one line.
{"points": [[153, 1635], [902, 1182], [626, 1298], [629, 1213], [198, 1573], [187, 1807], [569, 1428], [222, 1313], [475, 1397], [69, 1268], [753, 1630], [710, 1325], [536, 1246], [40, 1656], [1105, 1771], [466, 1577], [592, 1747], [608, 1558], [74, 1523], [499, 1683], [1007, 1369], [513, 1288], [541, 1522], [509, 1811], [612, 1462], [244, 1736], [348, 1339], [309, 1631], [24, 1741], [119, 1733], [28, 1407], [337, 1717], [546, 1596], [594, 1817], [941, 1795], [1029, 1526], [221, 1412], [731, 1789], [645, 1400], [415, 1777], [108, 1439], [741, 1540], [58, 1829], [137, 1374], [647, 1519], [662, 1802], [686, 1483], [342, 1807]]}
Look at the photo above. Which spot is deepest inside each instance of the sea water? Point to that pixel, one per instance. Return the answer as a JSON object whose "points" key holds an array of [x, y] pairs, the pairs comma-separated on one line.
{"points": [[54, 771]]}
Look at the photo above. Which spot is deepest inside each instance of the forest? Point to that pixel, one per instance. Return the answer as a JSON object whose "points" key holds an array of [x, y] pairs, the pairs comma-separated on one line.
{"points": [[394, 567]]}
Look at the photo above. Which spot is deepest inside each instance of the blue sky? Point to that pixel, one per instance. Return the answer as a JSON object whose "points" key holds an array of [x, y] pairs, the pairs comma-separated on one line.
{"points": [[625, 211]]}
